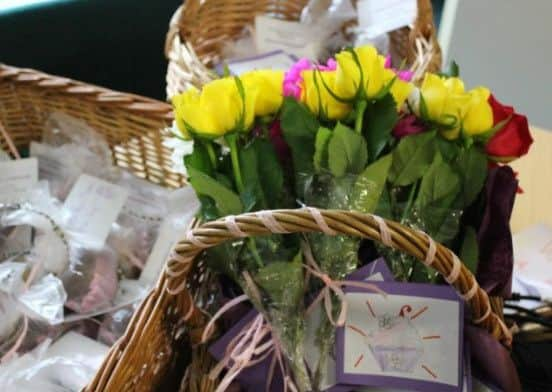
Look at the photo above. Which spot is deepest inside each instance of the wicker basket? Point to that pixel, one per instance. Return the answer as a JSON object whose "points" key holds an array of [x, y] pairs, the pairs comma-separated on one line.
{"points": [[165, 330], [131, 124], [199, 29], [165, 322]]}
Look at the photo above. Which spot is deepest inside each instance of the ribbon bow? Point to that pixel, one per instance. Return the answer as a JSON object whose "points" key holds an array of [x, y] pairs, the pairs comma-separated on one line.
{"points": [[331, 285]]}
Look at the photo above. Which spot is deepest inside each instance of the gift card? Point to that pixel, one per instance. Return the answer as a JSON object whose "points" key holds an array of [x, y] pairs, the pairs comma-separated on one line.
{"points": [[377, 270], [410, 338]]}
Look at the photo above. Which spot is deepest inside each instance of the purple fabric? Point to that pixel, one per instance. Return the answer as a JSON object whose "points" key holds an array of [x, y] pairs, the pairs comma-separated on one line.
{"points": [[496, 259], [492, 360]]}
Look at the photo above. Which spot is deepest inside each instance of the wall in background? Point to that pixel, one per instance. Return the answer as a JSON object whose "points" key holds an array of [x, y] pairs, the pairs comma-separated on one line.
{"points": [[113, 43], [506, 45]]}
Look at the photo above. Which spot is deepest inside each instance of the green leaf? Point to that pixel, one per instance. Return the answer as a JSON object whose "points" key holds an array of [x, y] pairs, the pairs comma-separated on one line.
{"points": [[270, 172], [439, 186], [472, 168], [283, 282], [250, 198], [483, 138], [226, 201], [448, 149], [347, 151], [412, 157], [384, 207], [252, 194], [379, 119], [321, 148], [199, 159], [453, 70], [262, 174], [299, 128], [208, 210], [469, 253], [370, 184]]}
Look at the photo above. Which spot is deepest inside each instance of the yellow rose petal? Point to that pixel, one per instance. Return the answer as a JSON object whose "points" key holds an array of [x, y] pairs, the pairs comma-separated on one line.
{"points": [[479, 116], [268, 86]]}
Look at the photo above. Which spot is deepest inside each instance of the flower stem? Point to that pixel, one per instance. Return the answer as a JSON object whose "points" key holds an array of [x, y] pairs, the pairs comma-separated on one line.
{"points": [[252, 245], [361, 108], [232, 140], [211, 152], [410, 201]]}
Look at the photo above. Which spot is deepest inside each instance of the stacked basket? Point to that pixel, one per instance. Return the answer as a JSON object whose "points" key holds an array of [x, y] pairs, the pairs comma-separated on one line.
{"points": [[199, 30]]}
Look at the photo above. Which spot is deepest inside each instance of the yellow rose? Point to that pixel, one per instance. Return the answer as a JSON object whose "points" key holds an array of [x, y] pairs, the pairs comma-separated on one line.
{"points": [[317, 86], [268, 84], [445, 101], [216, 110], [400, 89], [348, 72], [375, 77], [479, 117]]}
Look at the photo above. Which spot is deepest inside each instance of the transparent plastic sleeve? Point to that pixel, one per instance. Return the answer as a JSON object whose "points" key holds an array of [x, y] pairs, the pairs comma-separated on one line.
{"points": [[65, 365]]}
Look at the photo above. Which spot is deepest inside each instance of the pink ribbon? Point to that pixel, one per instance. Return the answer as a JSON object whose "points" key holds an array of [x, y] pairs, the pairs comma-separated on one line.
{"points": [[334, 286], [247, 349]]}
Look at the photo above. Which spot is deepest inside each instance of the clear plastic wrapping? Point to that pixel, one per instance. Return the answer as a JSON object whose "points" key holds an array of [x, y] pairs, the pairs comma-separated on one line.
{"points": [[61, 129], [134, 233], [65, 365], [91, 281]]}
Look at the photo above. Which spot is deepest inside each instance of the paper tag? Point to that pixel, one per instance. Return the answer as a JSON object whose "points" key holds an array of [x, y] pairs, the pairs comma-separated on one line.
{"points": [[94, 205], [297, 39], [277, 60], [17, 178], [376, 17]]}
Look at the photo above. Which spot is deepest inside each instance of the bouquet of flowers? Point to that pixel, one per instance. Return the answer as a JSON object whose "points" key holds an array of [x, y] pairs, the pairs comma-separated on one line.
{"points": [[352, 134]]}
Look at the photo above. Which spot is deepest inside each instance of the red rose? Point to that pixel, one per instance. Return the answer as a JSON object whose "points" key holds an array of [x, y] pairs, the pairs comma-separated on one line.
{"points": [[514, 139]]}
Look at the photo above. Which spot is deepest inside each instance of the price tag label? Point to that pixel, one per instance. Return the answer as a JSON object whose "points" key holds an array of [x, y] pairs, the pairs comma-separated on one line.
{"points": [[376, 17], [94, 205], [17, 179]]}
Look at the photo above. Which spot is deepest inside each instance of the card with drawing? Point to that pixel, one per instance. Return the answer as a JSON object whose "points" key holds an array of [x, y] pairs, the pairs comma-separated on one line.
{"points": [[410, 338], [376, 271]]}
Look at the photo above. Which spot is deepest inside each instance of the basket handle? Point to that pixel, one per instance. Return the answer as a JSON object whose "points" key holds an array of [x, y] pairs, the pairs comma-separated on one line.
{"points": [[333, 222]]}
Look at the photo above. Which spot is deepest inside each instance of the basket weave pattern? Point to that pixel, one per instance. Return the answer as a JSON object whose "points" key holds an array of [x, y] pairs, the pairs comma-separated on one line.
{"points": [[135, 362], [131, 124], [200, 28]]}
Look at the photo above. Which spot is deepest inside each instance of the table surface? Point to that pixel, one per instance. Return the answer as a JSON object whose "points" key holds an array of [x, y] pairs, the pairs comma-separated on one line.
{"points": [[535, 178]]}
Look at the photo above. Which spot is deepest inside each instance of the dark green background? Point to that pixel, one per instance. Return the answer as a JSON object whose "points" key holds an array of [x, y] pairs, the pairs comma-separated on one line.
{"points": [[114, 43]]}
